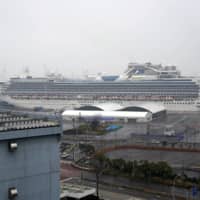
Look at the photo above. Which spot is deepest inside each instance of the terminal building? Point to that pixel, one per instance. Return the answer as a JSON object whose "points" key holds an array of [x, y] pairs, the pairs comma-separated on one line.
{"points": [[139, 113], [29, 158]]}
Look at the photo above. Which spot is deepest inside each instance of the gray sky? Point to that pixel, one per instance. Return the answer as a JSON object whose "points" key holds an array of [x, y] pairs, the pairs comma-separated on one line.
{"points": [[78, 36]]}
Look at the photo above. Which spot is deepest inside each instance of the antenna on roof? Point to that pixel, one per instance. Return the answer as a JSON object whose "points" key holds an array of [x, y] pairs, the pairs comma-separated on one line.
{"points": [[46, 70], [26, 71]]}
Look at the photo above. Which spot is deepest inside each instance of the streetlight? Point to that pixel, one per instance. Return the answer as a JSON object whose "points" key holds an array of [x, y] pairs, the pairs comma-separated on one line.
{"points": [[173, 186], [75, 135], [100, 166]]}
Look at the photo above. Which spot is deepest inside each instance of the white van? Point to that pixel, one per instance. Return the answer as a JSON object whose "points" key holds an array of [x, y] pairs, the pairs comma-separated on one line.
{"points": [[169, 131]]}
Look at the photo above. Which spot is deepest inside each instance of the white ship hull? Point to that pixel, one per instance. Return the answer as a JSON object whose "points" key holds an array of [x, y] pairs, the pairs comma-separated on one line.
{"points": [[181, 106]]}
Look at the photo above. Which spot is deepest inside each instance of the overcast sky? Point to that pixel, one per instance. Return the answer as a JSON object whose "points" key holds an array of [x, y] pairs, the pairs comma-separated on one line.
{"points": [[76, 37]]}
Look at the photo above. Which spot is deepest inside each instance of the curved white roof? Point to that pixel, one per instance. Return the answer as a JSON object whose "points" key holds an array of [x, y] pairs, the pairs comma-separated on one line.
{"points": [[149, 106], [109, 106], [112, 114]]}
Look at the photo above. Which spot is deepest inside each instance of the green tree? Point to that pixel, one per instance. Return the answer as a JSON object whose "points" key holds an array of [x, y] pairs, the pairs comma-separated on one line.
{"points": [[95, 124], [134, 168], [118, 164], [128, 168], [145, 169], [164, 170]]}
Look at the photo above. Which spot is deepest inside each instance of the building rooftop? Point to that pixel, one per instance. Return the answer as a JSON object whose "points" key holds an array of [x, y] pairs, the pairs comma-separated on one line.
{"points": [[10, 121], [152, 107], [76, 191], [13, 126], [148, 106]]}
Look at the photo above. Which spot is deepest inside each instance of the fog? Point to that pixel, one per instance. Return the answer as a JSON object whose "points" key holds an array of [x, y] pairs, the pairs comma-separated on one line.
{"points": [[77, 37]]}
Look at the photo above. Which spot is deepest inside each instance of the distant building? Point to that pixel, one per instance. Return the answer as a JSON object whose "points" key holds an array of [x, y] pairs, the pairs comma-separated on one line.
{"points": [[29, 158], [139, 112]]}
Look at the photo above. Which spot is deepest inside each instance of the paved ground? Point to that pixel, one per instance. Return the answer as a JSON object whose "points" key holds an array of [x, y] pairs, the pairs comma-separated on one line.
{"points": [[67, 171], [185, 124], [108, 195]]}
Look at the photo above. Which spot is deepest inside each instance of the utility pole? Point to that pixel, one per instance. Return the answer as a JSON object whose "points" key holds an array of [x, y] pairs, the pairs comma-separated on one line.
{"points": [[74, 129]]}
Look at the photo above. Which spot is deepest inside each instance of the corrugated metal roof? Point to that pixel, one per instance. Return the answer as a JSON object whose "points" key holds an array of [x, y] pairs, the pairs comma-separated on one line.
{"points": [[10, 122]]}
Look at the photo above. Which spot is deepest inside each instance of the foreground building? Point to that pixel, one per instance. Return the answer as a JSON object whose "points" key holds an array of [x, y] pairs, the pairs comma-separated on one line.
{"points": [[29, 158]]}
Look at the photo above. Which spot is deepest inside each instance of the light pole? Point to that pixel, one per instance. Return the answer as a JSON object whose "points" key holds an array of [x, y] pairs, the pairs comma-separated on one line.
{"points": [[75, 135], [173, 186], [73, 124], [99, 165]]}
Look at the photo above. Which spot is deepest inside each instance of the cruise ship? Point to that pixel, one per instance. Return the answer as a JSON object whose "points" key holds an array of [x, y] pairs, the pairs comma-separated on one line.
{"points": [[139, 82]]}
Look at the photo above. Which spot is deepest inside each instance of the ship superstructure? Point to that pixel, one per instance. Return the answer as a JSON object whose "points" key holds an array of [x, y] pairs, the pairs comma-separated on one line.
{"points": [[144, 71], [151, 71]]}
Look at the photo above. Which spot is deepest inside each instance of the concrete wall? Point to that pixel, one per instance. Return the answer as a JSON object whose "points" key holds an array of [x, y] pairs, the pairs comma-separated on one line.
{"points": [[33, 168]]}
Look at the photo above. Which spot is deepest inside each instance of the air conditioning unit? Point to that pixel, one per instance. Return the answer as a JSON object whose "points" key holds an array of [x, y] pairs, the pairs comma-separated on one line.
{"points": [[12, 146], [12, 193]]}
